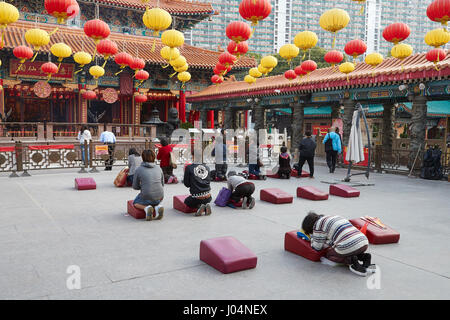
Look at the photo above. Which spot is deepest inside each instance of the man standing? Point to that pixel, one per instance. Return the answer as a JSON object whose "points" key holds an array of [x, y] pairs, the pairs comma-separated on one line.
{"points": [[307, 150], [333, 146], [108, 138]]}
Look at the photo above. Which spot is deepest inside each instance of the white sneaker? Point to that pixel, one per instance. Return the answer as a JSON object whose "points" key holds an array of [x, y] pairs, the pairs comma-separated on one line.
{"points": [[149, 213], [244, 203], [160, 211]]}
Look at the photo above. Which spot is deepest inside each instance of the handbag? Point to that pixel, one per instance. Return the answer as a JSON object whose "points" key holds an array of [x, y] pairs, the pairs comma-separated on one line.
{"points": [[223, 197], [121, 178], [172, 161]]}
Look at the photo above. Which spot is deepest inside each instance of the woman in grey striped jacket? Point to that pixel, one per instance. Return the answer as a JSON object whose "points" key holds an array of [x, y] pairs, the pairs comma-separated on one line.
{"points": [[344, 244]]}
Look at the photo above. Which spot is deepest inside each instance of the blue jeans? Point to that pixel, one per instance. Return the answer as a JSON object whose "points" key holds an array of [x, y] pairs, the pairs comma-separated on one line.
{"points": [[82, 154], [140, 200]]}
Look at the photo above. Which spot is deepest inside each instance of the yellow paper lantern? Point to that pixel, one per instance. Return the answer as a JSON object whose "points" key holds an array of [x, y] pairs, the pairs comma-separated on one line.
{"points": [[82, 58], [96, 72], [334, 20], [179, 62], [37, 38], [269, 62], [437, 37], [157, 19], [8, 14], [346, 68], [182, 69], [184, 76], [289, 51], [374, 59], [263, 70], [401, 51], [172, 38], [255, 73], [61, 50], [249, 79], [168, 53], [306, 40]]}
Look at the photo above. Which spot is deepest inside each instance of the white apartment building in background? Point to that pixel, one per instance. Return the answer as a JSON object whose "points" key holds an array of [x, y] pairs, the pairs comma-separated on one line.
{"points": [[289, 17]]}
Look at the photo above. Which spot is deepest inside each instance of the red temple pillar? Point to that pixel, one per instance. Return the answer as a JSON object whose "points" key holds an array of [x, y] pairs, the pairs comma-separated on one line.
{"points": [[182, 107], [211, 119]]}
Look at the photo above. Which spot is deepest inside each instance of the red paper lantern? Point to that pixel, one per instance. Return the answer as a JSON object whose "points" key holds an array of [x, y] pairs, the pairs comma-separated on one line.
{"points": [[23, 53], [436, 55], [396, 32], [142, 75], [221, 69], [299, 71], [62, 9], [137, 64], [49, 68], [238, 31], [308, 66], [89, 95], [97, 30], [140, 98], [290, 75], [123, 59], [355, 48], [439, 11], [333, 57], [216, 79], [237, 49], [226, 59], [255, 10], [107, 48]]}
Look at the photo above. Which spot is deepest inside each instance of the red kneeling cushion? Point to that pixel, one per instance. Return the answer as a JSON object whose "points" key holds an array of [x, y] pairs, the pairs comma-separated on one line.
{"points": [[178, 204], [294, 244], [275, 195], [227, 254], [304, 174], [135, 212], [311, 193], [85, 184], [377, 235], [342, 190]]}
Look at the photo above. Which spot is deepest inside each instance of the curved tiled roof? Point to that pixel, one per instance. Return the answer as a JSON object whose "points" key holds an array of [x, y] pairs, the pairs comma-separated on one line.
{"points": [[172, 6], [391, 70], [134, 45]]}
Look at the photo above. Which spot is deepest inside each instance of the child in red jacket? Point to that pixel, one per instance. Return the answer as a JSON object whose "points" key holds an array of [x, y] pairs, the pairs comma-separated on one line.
{"points": [[164, 158]]}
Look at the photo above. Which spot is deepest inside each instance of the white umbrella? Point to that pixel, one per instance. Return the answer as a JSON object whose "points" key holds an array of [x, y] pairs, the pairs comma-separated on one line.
{"points": [[355, 149]]}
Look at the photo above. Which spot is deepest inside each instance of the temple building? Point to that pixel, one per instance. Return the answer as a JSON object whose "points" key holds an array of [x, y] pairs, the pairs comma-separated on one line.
{"points": [[22, 100]]}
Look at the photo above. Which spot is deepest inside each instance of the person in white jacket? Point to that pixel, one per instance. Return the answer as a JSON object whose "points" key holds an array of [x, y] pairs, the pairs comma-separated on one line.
{"points": [[84, 135]]}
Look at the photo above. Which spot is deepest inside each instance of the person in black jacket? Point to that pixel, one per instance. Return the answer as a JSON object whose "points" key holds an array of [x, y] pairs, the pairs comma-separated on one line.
{"points": [[197, 179], [307, 150]]}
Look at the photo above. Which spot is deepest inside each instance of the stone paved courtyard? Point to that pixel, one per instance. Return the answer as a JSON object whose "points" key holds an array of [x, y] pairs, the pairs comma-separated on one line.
{"points": [[46, 226]]}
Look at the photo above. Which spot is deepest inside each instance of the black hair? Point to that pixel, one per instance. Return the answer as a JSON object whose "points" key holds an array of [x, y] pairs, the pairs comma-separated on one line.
{"points": [[283, 149], [336, 130], [309, 221], [133, 151], [83, 128], [164, 141], [308, 133]]}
